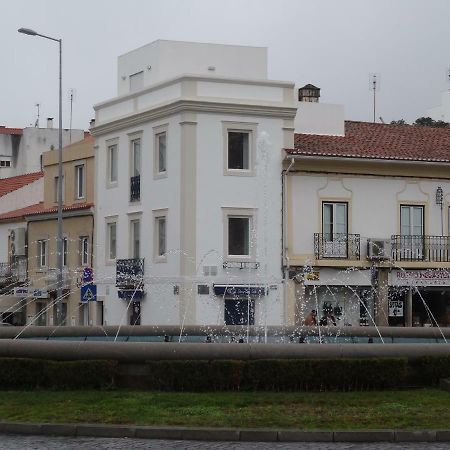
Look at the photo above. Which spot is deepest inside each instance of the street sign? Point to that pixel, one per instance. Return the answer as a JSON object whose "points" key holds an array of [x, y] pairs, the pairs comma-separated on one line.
{"points": [[24, 292], [88, 293], [395, 308], [88, 275]]}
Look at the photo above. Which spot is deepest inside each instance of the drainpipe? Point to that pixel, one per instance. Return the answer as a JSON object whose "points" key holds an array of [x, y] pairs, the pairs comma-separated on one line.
{"points": [[284, 256]]}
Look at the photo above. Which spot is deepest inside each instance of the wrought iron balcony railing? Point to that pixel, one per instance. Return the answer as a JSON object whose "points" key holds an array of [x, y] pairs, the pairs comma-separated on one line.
{"points": [[130, 273], [420, 248], [337, 246], [15, 272], [135, 188]]}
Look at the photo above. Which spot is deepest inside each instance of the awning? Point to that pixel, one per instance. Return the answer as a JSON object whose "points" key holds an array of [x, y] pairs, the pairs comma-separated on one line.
{"points": [[239, 290]]}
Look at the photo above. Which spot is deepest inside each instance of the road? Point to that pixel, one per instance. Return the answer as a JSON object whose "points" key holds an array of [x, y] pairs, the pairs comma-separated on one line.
{"points": [[12, 442]]}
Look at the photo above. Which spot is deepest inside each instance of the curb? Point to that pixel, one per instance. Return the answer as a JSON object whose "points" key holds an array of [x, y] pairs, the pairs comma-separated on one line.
{"points": [[223, 434]]}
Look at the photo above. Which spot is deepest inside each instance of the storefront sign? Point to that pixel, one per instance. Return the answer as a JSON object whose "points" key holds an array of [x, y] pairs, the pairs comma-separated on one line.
{"points": [[395, 308], [430, 277], [239, 290], [24, 292]]}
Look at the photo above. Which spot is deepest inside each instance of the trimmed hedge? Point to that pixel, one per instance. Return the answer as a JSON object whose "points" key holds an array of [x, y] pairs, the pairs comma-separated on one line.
{"points": [[21, 373], [221, 375]]}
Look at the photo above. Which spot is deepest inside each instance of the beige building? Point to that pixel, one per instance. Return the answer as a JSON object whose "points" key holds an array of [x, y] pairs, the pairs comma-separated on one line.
{"points": [[78, 224]]}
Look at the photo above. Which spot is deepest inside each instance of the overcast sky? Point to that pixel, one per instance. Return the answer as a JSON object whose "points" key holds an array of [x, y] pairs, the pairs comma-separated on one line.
{"points": [[332, 44]]}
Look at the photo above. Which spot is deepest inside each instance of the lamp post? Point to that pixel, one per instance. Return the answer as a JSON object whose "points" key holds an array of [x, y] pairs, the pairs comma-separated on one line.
{"points": [[59, 240]]}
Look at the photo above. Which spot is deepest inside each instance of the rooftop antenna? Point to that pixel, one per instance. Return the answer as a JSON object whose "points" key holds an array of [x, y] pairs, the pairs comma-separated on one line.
{"points": [[374, 85], [72, 95], [36, 124]]}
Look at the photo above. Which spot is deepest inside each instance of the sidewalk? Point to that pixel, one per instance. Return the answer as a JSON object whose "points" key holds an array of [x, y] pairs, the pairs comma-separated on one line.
{"points": [[223, 434]]}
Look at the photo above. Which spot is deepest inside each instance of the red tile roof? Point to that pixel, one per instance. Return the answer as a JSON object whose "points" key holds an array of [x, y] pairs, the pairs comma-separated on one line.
{"points": [[22, 212], [8, 185], [4, 130], [54, 209], [378, 141]]}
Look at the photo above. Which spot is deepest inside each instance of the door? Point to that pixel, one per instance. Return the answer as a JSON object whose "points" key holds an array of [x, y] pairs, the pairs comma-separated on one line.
{"points": [[412, 232], [334, 230]]}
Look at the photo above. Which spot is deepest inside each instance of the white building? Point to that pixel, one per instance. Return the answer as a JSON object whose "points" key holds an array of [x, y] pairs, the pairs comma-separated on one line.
{"points": [[188, 187], [21, 149], [367, 220]]}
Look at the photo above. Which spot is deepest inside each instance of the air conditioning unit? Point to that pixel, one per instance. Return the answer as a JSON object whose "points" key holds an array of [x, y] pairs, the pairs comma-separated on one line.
{"points": [[378, 249], [17, 241]]}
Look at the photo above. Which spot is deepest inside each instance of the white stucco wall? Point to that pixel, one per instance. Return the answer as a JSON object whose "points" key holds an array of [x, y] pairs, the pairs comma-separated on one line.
{"points": [[20, 198], [441, 112], [320, 118]]}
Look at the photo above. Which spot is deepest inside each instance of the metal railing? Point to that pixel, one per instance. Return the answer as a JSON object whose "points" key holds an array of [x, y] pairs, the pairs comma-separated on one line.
{"points": [[337, 246], [130, 273], [420, 248], [15, 272], [135, 188]]}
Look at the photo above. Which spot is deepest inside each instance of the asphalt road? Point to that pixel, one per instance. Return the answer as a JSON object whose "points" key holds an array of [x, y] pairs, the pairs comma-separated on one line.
{"points": [[12, 442]]}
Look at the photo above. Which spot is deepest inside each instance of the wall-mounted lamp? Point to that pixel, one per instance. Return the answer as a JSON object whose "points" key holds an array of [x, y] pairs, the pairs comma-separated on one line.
{"points": [[440, 202]]}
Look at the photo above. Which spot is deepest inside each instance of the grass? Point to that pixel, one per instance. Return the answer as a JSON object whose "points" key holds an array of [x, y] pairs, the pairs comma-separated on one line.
{"points": [[427, 408]]}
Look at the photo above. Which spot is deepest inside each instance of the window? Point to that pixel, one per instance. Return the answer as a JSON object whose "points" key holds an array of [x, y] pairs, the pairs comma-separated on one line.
{"points": [[65, 250], [161, 153], [56, 189], [335, 230], [112, 240], [239, 236], [84, 250], [136, 81], [135, 238], [239, 227], [42, 253], [112, 164], [135, 180], [4, 163], [160, 235], [79, 181], [238, 150], [411, 220]]}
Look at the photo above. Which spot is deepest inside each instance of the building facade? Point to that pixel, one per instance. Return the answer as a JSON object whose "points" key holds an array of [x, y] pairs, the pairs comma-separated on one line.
{"points": [[188, 187], [78, 226], [368, 221]]}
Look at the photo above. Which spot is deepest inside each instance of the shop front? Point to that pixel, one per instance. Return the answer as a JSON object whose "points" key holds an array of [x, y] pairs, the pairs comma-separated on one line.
{"points": [[419, 297]]}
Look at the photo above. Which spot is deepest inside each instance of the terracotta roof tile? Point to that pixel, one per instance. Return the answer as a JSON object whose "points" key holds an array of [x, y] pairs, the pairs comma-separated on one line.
{"points": [[378, 141], [54, 209], [22, 212], [4, 130], [8, 185]]}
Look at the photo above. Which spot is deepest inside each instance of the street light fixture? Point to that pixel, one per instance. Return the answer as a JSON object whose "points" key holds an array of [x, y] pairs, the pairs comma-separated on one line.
{"points": [[59, 239]]}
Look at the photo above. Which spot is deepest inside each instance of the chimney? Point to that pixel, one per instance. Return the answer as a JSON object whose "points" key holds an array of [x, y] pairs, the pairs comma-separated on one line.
{"points": [[309, 93], [49, 122], [92, 123]]}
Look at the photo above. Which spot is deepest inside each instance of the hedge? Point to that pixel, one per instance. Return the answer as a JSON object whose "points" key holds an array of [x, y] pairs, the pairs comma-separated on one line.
{"points": [[222, 375]]}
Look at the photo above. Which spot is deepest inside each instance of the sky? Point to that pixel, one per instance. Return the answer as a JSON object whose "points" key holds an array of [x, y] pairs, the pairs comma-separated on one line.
{"points": [[333, 44]]}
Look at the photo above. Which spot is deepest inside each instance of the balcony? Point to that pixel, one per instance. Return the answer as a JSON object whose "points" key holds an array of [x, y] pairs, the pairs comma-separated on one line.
{"points": [[135, 188], [12, 273], [130, 274], [420, 248], [337, 246]]}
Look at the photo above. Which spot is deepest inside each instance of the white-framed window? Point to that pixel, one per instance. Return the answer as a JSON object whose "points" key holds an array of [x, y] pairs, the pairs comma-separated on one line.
{"points": [[411, 220], [160, 235], [239, 148], [135, 169], [65, 250], [239, 232], [136, 81], [56, 189], [111, 240], [42, 252], [160, 143], [84, 250], [135, 236], [112, 164], [5, 163], [79, 181], [334, 229]]}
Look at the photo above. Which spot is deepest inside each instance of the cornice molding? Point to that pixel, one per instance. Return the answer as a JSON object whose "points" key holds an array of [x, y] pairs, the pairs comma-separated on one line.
{"points": [[195, 106]]}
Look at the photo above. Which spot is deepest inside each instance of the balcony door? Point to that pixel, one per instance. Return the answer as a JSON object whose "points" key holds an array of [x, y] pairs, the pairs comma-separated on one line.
{"points": [[334, 229], [412, 232]]}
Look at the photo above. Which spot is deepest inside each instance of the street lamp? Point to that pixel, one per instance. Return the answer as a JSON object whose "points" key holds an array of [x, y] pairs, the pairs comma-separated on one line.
{"points": [[59, 240]]}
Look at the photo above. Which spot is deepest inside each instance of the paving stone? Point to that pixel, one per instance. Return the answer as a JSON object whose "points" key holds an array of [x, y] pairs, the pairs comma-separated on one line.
{"points": [[305, 436], [364, 436], [22, 428], [415, 436]]}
